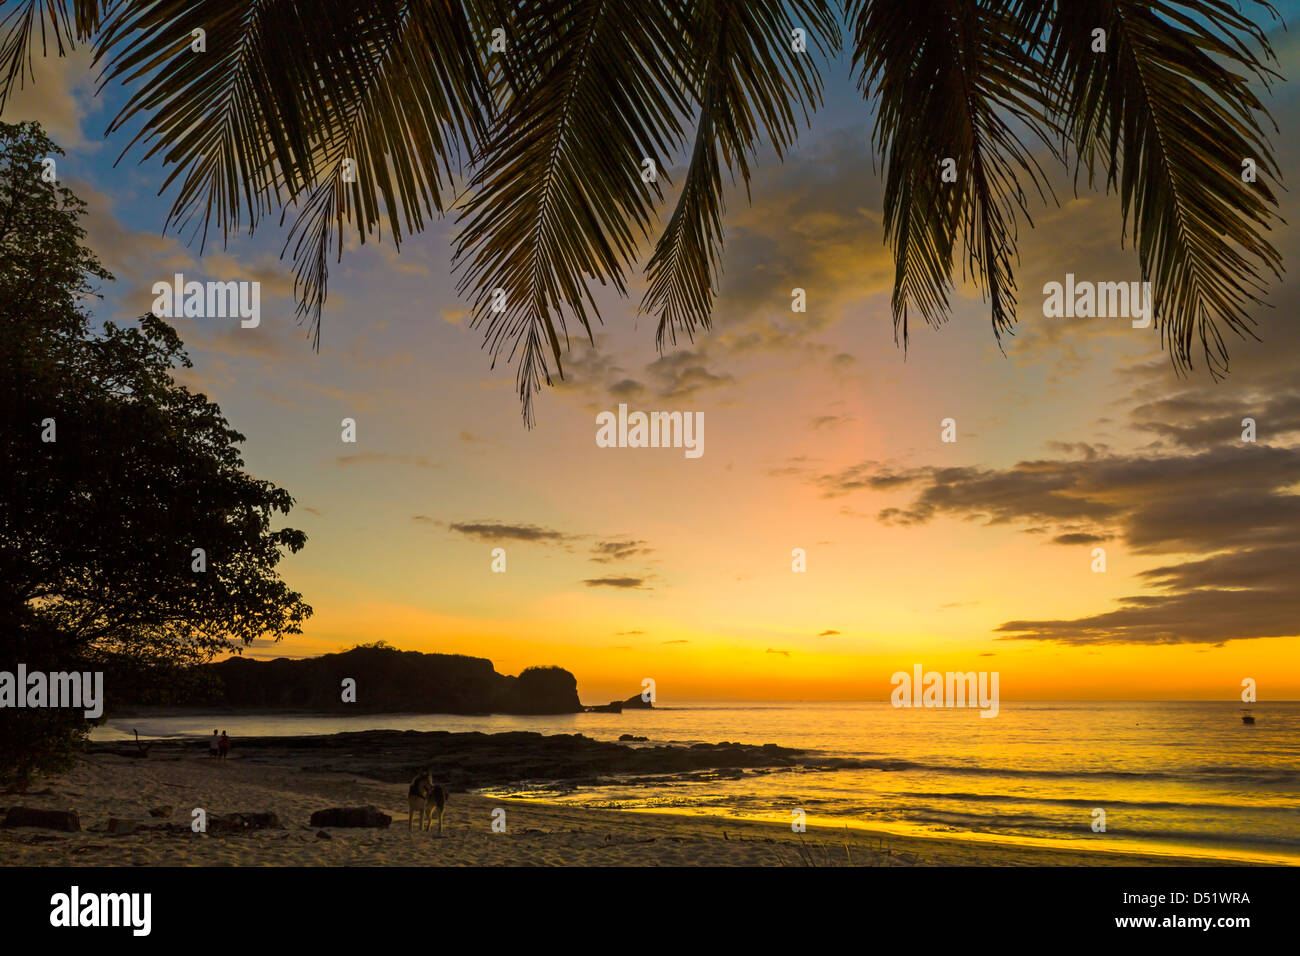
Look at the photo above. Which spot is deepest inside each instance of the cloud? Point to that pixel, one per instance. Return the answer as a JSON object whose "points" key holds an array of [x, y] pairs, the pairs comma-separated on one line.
{"points": [[378, 458], [683, 374], [827, 633], [1081, 537], [61, 97], [1232, 504], [1088, 450], [774, 651], [1194, 611], [1194, 419], [499, 531], [815, 225], [626, 389], [864, 475], [634, 584], [618, 550]]}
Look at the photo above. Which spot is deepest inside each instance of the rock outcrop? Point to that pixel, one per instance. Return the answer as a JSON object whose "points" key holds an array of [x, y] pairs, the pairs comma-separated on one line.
{"points": [[388, 681]]}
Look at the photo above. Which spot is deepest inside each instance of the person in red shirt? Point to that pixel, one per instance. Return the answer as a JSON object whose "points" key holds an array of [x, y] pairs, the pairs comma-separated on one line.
{"points": [[224, 745]]}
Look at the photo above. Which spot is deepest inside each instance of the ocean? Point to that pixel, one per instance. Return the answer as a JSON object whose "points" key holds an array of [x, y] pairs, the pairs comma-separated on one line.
{"points": [[1185, 778]]}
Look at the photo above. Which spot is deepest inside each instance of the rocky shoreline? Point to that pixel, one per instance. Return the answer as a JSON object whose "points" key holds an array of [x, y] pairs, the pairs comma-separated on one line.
{"points": [[465, 761]]}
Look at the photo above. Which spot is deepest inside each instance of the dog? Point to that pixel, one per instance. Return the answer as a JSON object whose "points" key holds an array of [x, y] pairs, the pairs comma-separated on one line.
{"points": [[429, 799]]}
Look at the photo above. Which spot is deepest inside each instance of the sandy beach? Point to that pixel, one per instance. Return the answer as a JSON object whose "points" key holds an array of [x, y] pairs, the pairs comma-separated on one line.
{"points": [[104, 786]]}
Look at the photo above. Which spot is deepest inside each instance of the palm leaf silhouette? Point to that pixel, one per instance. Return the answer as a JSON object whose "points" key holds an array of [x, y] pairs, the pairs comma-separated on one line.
{"points": [[1168, 116], [559, 195], [742, 78], [949, 76], [548, 138]]}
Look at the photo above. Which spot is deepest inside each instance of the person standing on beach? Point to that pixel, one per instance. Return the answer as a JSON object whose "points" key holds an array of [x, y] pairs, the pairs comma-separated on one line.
{"points": [[225, 745], [213, 745]]}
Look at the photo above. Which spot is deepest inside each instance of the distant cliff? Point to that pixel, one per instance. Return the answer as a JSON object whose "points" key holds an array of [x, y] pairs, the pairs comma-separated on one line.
{"points": [[389, 680]]}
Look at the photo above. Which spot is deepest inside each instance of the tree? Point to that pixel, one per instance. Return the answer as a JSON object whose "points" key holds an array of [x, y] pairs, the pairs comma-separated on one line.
{"points": [[361, 113], [132, 541]]}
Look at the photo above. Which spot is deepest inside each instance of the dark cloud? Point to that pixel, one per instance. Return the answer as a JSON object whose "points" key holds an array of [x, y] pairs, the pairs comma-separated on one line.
{"points": [[498, 531], [615, 582], [1193, 611], [1088, 450], [774, 651], [827, 633], [683, 374], [1233, 503], [618, 550], [627, 388], [867, 474], [1080, 537], [1197, 420]]}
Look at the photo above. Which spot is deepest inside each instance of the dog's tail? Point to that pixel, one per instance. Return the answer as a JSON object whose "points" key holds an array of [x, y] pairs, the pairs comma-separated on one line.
{"points": [[439, 796]]}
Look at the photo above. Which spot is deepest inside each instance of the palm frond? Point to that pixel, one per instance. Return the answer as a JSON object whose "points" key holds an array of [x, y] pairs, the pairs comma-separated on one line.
{"points": [[950, 77], [242, 125], [555, 129], [749, 82], [397, 138], [62, 23], [559, 197], [1167, 115]]}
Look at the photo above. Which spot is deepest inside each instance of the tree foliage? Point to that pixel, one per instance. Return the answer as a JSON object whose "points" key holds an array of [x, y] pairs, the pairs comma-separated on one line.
{"points": [[114, 474]]}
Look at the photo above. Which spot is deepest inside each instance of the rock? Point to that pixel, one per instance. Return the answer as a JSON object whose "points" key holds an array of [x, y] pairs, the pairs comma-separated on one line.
{"points": [[636, 703], [164, 811], [120, 827], [367, 816], [65, 820], [323, 835], [632, 737]]}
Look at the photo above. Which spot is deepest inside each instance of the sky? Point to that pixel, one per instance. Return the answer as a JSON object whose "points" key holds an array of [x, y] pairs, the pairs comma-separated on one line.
{"points": [[820, 434]]}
